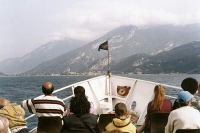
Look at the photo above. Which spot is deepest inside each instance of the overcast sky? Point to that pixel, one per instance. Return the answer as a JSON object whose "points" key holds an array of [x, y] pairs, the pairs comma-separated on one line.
{"points": [[24, 24]]}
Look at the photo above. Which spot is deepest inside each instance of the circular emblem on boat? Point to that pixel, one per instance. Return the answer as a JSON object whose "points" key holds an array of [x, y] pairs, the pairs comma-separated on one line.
{"points": [[123, 90]]}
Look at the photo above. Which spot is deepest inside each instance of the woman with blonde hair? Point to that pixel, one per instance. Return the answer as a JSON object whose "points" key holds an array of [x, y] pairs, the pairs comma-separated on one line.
{"points": [[158, 104]]}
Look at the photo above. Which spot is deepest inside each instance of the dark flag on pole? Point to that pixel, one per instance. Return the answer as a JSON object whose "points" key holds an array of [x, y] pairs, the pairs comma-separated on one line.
{"points": [[103, 46]]}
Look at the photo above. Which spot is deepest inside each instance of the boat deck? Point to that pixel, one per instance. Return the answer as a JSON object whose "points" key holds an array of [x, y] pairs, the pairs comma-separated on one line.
{"points": [[102, 91]]}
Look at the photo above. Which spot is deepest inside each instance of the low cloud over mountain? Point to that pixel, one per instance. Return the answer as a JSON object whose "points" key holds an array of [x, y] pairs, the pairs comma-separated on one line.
{"points": [[124, 41]]}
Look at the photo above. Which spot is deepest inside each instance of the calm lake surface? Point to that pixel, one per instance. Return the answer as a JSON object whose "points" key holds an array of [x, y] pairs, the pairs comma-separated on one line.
{"points": [[17, 89]]}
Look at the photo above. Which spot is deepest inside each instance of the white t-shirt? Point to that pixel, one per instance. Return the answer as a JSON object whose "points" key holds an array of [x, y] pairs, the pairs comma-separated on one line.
{"points": [[183, 118]]}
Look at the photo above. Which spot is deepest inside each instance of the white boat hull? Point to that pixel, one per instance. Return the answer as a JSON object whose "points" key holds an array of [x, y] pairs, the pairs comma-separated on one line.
{"points": [[102, 91]]}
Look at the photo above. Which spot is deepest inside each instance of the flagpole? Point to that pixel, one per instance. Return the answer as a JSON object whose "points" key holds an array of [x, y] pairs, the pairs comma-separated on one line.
{"points": [[108, 73], [105, 46]]}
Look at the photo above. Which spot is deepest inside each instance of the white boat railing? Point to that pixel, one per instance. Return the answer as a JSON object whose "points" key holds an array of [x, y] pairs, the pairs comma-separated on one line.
{"points": [[64, 99], [101, 81]]}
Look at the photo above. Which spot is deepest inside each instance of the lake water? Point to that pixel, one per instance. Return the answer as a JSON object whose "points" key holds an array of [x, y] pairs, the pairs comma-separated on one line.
{"points": [[17, 89]]}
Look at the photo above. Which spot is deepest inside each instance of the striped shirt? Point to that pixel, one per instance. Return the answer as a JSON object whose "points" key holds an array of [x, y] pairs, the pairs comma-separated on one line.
{"points": [[45, 106]]}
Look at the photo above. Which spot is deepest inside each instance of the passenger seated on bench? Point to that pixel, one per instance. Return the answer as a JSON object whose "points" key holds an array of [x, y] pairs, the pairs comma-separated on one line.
{"points": [[159, 103], [79, 90], [48, 108], [81, 120], [190, 85], [122, 121], [133, 115], [185, 117], [15, 115]]}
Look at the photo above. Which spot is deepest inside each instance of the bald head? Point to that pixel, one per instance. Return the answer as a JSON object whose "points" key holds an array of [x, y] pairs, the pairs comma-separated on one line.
{"points": [[4, 102], [47, 88]]}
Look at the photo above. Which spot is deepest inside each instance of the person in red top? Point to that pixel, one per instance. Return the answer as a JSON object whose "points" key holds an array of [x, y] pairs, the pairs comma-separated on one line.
{"points": [[158, 104]]}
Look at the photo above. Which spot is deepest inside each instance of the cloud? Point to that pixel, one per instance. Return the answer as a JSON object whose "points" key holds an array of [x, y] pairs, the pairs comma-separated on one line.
{"points": [[25, 23]]}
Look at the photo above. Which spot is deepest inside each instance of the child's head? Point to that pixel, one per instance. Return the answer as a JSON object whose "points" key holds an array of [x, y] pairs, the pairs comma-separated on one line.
{"points": [[120, 109]]}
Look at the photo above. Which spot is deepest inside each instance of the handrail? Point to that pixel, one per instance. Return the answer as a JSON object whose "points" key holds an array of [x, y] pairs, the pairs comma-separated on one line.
{"points": [[29, 117], [64, 99], [170, 96], [89, 80], [60, 89], [33, 129]]}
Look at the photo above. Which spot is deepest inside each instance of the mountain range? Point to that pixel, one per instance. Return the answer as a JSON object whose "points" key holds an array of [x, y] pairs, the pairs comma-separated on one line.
{"points": [[49, 50], [182, 59], [2, 74], [125, 43]]}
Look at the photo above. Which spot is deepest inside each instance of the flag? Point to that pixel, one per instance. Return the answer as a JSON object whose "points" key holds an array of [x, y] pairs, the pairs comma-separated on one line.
{"points": [[103, 46]]}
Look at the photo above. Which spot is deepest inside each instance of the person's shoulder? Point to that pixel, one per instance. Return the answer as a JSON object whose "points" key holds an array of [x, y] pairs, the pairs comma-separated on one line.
{"points": [[14, 106], [149, 104], [56, 98], [175, 112], [197, 97], [110, 126], [48, 98], [167, 100], [37, 98], [89, 115], [193, 111], [70, 117]]}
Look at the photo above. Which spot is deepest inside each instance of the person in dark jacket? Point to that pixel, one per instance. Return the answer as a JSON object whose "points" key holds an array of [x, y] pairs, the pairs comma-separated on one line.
{"points": [[81, 120]]}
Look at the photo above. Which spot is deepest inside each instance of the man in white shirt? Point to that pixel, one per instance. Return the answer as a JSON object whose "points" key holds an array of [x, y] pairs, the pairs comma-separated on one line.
{"points": [[185, 117], [48, 108]]}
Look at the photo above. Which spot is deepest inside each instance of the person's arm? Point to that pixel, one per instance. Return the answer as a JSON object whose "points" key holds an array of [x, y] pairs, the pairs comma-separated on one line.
{"points": [[28, 104], [68, 109], [169, 127], [142, 128], [91, 108], [149, 111], [175, 105], [3, 111]]}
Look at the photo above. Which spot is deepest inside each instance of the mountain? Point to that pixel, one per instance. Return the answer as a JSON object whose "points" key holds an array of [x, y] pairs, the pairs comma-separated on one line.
{"points": [[123, 41], [49, 50], [2, 74], [182, 59]]}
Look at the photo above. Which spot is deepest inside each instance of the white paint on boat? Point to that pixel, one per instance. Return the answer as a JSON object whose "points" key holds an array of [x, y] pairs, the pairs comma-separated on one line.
{"points": [[102, 91]]}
